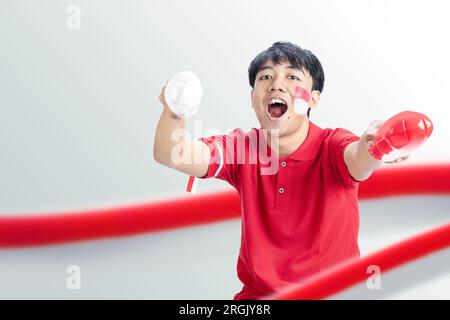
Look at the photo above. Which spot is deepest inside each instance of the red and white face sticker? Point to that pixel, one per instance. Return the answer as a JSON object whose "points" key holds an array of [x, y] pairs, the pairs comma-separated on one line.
{"points": [[301, 101]]}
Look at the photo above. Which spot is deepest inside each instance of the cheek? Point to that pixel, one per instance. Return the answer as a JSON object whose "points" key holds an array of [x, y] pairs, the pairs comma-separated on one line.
{"points": [[293, 118], [258, 92], [257, 102]]}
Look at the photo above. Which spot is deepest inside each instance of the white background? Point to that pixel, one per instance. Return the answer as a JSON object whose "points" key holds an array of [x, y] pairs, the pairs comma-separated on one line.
{"points": [[78, 108], [78, 111]]}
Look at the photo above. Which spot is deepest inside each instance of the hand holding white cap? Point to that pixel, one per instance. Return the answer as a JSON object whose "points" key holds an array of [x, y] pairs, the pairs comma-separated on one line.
{"points": [[184, 93]]}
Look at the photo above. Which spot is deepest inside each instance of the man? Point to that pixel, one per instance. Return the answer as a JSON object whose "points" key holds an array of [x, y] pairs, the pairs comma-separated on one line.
{"points": [[303, 217]]}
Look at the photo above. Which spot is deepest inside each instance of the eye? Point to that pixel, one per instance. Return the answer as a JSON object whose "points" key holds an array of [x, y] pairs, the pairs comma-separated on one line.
{"points": [[294, 78], [265, 77]]}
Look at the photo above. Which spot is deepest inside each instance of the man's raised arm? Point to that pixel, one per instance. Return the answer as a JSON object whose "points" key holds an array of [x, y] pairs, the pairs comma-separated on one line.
{"points": [[173, 150]]}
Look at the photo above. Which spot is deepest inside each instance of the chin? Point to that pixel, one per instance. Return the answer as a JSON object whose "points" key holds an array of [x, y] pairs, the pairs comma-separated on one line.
{"points": [[282, 130]]}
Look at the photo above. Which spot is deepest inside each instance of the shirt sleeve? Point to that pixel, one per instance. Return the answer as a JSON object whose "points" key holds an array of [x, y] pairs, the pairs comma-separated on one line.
{"points": [[339, 140], [222, 163]]}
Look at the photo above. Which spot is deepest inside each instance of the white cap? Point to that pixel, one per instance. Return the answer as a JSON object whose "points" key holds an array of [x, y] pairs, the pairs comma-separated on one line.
{"points": [[184, 93]]}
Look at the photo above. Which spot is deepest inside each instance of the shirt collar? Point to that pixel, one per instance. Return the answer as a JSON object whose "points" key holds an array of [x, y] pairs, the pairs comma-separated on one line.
{"points": [[309, 148]]}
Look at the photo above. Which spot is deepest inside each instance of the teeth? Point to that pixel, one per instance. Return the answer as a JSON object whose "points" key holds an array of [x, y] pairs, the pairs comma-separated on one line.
{"points": [[275, 100]]}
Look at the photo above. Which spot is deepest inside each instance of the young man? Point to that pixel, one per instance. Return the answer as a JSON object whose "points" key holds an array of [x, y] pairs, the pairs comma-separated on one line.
{"points": [[303, 217]]}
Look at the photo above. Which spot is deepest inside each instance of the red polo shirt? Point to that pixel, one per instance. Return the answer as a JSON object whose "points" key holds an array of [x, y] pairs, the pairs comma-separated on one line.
{"points": [[297, 221]]}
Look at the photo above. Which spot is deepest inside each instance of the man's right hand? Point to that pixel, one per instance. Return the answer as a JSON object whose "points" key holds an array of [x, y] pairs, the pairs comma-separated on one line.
{"points": [[162, 99], [164, 145]]}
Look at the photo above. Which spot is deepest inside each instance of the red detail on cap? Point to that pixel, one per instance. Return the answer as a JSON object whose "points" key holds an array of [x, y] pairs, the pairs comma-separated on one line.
{"points": [[190, 184]]}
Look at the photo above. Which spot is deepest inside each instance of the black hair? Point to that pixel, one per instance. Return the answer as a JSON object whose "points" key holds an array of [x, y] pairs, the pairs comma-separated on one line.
{"points": [[301, 58]]}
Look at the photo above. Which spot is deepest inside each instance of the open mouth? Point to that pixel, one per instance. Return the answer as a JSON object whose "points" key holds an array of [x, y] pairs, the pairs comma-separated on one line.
{"points": [[276, 108]]}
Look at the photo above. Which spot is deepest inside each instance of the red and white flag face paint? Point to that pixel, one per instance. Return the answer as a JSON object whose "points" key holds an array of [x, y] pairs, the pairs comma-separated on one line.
{"points": [[301, 100]]}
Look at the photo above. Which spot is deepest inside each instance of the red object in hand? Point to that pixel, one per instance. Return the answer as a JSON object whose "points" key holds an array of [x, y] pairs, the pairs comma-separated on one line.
{"points": [[404, 132]]}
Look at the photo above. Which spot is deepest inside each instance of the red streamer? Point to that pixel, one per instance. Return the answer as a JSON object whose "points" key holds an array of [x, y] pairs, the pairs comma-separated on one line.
{"points": [[44, 229], [353, 272]]}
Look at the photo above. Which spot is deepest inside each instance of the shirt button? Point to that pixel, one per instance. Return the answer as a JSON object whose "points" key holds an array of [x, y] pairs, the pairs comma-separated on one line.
{"points": [[281, 190], [283, 164]]}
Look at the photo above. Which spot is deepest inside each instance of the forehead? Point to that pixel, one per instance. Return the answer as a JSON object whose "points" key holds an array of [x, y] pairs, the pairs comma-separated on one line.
{"points": [[282, 66]]}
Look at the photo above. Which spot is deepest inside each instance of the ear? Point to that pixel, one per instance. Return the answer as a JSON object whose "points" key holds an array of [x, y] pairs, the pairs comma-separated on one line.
{"points": [[251, 99], [315, 97]]}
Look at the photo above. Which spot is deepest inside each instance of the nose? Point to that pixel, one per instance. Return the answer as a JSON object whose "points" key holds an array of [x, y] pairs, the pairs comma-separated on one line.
{"points": [[277, 84]]}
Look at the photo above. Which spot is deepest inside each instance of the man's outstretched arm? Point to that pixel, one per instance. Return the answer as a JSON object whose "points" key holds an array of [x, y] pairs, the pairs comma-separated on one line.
{"points": [[359, 161]]}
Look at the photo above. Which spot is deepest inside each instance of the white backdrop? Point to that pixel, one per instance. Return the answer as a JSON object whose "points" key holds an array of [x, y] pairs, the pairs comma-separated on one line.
{"points": [[78, 108]]}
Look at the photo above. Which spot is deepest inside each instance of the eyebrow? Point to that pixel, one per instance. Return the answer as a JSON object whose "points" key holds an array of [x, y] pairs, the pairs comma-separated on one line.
{"points": [[288, 67]]}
